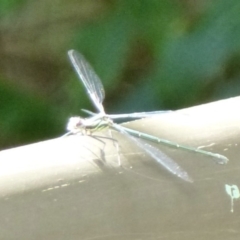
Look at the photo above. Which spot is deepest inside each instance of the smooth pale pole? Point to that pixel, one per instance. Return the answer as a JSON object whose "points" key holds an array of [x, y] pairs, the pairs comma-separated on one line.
{"points": [[73, 188]]}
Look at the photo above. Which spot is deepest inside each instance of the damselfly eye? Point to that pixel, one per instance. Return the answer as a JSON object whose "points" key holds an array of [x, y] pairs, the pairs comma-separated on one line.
{"points": [[75, 123]]}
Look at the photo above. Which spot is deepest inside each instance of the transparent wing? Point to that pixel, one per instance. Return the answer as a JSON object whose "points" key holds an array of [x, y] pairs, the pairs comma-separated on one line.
{"points": [[156, 154], [130, 115], [137, 114], [89, 78]]}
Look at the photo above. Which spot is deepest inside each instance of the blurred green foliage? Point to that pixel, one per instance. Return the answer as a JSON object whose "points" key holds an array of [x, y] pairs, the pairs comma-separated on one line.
{"points": [[22, 117], [8, 5], [150, 55]]}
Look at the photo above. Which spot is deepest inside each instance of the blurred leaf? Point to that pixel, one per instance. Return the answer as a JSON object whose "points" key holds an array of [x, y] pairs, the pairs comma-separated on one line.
{"points": [[8, 5], [25, 118], [194, 60]]}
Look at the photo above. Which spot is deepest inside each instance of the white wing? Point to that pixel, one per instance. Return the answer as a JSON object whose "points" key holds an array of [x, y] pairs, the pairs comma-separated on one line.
{"points": [[89, 79]]}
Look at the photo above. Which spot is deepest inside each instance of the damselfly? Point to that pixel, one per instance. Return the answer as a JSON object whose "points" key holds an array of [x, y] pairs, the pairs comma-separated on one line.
{"points": [[100, 120]]}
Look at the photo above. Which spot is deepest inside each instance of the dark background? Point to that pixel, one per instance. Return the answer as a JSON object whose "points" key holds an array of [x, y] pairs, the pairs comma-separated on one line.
{"points": [[150, 55]]}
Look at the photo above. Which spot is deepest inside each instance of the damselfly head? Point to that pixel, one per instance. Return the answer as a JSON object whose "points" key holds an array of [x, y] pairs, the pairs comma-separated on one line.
{"points": [[75, 124]]}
